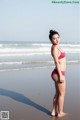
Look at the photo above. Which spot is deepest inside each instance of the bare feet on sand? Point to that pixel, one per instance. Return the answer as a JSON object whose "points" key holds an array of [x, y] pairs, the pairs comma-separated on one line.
{"points": [[53, 114], [62, 114]]}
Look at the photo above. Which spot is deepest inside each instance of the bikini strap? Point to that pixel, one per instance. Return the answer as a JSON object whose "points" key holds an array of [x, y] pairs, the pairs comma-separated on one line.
{"points": [[59, 49]]}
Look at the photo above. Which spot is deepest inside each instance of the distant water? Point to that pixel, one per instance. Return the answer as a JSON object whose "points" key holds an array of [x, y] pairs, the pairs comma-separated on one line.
{"points": [[17, 55]]}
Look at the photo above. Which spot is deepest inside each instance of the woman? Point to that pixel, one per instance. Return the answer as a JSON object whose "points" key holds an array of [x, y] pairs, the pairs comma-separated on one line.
{"points": [[58, 74]]}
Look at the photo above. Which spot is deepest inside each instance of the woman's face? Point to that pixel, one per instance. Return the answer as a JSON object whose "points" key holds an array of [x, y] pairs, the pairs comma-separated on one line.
{"points": [[55, 39]]}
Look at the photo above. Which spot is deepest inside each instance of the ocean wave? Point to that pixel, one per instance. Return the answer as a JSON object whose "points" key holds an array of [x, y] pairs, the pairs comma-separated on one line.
{"points": [[24, 44], [24, 62], [34, 62], [23, 54], [18, 69], [32, 52], [31, 49], [33, 67]]}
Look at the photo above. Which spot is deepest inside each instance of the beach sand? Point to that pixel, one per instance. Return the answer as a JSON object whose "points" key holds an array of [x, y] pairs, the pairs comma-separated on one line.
{"points": [[28, 94]]}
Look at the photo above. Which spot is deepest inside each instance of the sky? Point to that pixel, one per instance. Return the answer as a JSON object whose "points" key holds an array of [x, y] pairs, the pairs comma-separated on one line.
{"points": [[31, 20]]}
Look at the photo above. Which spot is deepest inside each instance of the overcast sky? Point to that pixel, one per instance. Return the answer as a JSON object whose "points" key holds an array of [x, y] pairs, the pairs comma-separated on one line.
{"points": [[31, 20]]}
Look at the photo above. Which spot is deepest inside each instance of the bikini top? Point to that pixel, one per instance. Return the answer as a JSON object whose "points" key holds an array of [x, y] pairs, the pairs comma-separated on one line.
{"points": [[62, 55]]}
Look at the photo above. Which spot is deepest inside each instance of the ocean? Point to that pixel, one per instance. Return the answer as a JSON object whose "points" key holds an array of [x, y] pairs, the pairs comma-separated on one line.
{"points": [[16, 55]]}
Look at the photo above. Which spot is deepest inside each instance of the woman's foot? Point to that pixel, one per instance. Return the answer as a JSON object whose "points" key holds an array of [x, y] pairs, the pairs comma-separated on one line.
{"points": [[53, 113], [62, 114]]}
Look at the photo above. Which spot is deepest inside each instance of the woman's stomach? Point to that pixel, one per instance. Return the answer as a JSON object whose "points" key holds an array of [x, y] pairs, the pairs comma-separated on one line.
{"points": [[63, 64]]}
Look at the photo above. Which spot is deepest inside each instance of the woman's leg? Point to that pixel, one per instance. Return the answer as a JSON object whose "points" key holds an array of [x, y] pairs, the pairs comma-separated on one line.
{"points": [[55, 99], [54, 108], [61, 89]]}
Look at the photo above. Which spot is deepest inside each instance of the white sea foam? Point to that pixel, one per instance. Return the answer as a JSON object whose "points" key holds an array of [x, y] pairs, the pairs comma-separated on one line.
{"points": [[34, 49]]}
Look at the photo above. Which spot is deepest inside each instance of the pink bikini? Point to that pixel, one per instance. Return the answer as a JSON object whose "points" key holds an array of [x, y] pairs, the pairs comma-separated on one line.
{"points": [[62, 55]]}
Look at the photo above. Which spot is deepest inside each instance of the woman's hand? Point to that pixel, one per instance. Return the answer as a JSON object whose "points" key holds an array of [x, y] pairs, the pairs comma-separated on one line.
{"points": [[61, 79]]}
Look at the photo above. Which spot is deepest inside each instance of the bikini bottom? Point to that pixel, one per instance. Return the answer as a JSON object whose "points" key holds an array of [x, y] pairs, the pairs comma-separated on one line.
{"points": [[56, 72]]}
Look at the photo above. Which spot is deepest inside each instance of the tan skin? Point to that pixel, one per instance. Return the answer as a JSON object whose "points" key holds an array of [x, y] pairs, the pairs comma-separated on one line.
{"points": [[59, 79]]}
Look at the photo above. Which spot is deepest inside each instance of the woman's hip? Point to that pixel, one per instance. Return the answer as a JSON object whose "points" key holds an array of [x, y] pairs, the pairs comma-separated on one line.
{"points": [[56, 72]]}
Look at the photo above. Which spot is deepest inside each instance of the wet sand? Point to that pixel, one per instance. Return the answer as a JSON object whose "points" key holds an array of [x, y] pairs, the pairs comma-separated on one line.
{"points": [[28, 94]]}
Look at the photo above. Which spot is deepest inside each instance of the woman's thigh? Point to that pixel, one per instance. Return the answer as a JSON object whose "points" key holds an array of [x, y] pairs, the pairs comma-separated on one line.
{"points": [[55, 77], [62, 87]]}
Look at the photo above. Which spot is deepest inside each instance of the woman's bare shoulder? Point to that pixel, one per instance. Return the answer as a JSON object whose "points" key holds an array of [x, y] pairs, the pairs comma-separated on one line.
{"points": [[53, 49]]}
